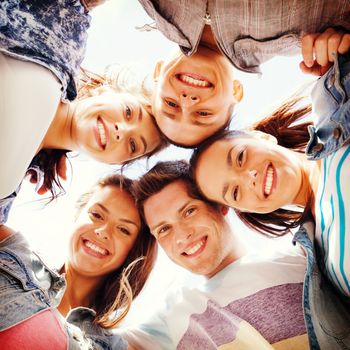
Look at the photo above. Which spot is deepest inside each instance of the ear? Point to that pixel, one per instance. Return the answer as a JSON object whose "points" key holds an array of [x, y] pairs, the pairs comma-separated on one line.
{"points": [[237, 90], [157, 70], [224, 210], [263, 136]]}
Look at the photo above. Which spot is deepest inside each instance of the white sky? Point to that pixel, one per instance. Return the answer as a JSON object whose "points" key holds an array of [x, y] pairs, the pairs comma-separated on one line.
{"points": [[113, 39]]}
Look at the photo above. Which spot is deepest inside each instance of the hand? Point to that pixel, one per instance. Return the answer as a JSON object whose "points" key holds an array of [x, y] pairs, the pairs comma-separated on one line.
{"points": [[61, 172], [318, 50]]}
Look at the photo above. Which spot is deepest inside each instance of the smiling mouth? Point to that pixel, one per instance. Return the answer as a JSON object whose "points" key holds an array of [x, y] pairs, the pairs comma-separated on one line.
{"points": [[102, 137], [193, 80], [95, 249], [269, 180], [195, 249]]}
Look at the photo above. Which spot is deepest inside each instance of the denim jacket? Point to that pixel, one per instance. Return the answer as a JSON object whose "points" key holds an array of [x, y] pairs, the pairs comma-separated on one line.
{"points": [[331, 109], [28, 287], [51, 33], [326, 312]]}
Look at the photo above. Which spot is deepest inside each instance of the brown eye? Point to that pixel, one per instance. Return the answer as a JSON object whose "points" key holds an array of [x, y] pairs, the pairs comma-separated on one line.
{"points": [[203, 113], [132, 145], [163, 230], [95, 215], [124, 231], [190, 211], [235, 193], [128, 112], [171, 104], [240, 158]]}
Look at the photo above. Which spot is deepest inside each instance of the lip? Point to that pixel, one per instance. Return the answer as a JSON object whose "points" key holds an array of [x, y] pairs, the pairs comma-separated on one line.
{"points": [[192, 245], [91, 252], [178, 77], [274, 180], [97, 134]]}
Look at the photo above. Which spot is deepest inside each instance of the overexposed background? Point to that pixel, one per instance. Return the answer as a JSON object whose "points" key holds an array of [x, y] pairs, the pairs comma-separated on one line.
{"points": [[114, 39]]}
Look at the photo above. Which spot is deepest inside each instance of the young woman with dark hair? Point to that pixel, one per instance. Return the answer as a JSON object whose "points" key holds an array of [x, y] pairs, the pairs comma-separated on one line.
{"points": [[275, 187]]}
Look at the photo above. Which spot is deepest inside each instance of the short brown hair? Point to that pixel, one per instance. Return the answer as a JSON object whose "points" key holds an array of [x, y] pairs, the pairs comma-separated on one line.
{"points": [[162, 175]]}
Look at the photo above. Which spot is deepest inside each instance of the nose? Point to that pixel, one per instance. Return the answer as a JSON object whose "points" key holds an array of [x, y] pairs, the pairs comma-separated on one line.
{"points": [[252, 177], [182, 234], [188, 99], [102, 232], [122, 130]]}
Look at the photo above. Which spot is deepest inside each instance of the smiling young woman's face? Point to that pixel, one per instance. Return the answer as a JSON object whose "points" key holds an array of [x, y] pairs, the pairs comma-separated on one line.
{"points": [[104, 233], [114, 128], [194, 96], [250, 174]]}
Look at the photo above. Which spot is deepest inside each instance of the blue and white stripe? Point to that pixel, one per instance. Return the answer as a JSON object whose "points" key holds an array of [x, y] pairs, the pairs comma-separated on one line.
{"points": [[332, 209]]}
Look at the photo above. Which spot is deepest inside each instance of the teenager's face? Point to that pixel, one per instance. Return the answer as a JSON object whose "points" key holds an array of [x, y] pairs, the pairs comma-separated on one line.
{"points": [[194, 95], [104, 232], [250, 174], [113, 128], [191, 233]]}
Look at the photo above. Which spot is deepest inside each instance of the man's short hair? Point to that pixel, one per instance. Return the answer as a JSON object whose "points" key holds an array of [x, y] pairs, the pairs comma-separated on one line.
{"points": [[160, 176]]}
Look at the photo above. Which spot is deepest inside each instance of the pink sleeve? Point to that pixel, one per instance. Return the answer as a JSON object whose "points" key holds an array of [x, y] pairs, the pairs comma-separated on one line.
{"points": [[42, 331]]}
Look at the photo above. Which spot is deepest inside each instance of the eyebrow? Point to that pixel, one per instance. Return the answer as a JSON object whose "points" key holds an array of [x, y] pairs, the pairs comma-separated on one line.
{"points": [[122, 219], [178, 211], [168, 115], [103, 207], [128, 222], [140, 113], [195, 122], [144, 143]]}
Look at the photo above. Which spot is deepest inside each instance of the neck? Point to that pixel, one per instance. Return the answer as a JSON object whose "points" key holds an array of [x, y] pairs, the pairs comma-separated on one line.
{"points": [[78, 291], [208, 39], [234, 249], [309, 184], [59, 134]]}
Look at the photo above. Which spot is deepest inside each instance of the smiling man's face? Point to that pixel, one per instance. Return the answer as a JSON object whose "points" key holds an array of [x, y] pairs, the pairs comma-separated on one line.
{"points": [[192, 233], [194, 96]]}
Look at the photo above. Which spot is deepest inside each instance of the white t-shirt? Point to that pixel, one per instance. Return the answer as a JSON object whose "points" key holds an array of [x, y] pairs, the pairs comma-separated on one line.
{"points": [[332, 209], [250, 304]]}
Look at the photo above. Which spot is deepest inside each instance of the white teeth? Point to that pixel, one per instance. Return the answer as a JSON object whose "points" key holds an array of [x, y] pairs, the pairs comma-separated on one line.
{"points": [[193, 81], [269, 179], [95, 248], [102, 133], [195, 248]]}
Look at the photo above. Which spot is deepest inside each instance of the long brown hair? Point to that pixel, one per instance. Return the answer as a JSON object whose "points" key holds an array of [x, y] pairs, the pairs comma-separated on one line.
{"points": [[286, 125], [112, 299], [90, 84]]}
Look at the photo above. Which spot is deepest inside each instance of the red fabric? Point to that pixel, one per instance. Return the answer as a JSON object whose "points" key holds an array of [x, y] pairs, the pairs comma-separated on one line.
{"points": [[41, 332]]}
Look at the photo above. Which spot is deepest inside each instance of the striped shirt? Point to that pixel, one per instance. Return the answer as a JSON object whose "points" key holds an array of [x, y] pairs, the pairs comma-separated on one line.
{"points": [[332, 209]]}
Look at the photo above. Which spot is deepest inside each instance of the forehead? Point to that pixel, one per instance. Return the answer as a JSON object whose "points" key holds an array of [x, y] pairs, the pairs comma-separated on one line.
{"points": [[166, 202], [116, 200]]}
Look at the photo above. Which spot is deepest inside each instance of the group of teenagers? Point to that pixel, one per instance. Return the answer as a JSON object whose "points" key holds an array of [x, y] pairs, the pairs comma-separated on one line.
{"points": [[287, 173]]}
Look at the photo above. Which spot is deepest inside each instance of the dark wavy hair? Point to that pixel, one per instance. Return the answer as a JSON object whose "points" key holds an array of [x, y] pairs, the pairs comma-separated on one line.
{"points": [[48, 160], [287, 126], [113, 298]]}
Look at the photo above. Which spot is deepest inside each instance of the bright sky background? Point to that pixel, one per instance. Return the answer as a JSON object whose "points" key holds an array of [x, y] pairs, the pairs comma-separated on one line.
{"points": [[114, 39]]}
